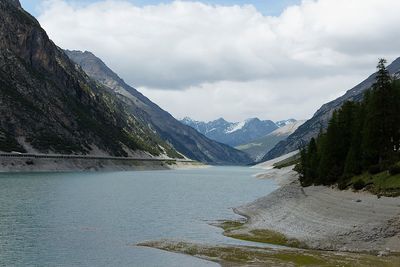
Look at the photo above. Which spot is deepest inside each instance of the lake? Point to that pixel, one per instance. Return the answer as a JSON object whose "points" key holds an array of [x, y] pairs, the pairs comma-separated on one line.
{"points": [[95, 219]]}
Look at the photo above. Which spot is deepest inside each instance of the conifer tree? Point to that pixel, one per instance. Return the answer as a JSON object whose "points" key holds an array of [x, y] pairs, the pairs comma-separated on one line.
{"points": [[378, 132]]}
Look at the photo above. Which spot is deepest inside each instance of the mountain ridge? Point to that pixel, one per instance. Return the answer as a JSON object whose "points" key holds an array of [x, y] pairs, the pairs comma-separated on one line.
{"points": [[50, 106], [183, 138]]}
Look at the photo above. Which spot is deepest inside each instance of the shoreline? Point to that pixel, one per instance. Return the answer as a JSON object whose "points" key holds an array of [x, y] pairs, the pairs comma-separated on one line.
{"points": [[21, 165], [317, 226], [325, 218]]}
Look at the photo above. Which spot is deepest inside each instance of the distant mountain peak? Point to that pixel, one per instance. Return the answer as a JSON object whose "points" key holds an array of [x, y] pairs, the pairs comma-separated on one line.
{"points": [[232, 133], [219, 120], [283, 123]]}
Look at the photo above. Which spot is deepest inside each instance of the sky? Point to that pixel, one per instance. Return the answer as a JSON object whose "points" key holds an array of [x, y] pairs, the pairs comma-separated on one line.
{"points": [[272, 59]]}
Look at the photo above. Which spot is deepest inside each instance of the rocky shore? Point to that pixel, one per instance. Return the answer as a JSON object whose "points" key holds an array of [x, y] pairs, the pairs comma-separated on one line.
{"points": [[326, 218], [317, 226]]}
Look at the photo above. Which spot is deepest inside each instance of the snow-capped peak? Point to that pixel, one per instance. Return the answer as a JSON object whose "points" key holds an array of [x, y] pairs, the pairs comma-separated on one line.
{"points": [[285, 122], [235, 127]]}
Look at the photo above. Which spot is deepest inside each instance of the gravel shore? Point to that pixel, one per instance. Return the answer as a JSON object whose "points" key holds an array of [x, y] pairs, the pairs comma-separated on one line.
{"points": [[326, 218]]}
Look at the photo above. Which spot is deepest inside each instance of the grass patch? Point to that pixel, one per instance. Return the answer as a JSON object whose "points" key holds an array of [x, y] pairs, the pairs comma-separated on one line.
{"points": [[265, 236], [235, 229], [231, 225], [293, 160], [300, 259], [381, 184]]}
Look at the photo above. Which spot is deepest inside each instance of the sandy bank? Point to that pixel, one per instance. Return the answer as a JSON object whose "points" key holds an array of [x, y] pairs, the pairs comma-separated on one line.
{"points": [[325, 218]]}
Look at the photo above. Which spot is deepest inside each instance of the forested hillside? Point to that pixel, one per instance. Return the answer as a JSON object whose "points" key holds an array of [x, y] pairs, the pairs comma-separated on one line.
{"points": [[361, 144]]}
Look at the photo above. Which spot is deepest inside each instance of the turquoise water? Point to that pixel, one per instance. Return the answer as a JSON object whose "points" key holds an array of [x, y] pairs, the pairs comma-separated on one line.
{"points": [[95, 219]]}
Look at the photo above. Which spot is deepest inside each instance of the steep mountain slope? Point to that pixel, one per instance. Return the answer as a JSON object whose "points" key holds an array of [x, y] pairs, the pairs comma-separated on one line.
{"points": [[232, 133], [320, 119], [185, 139], [48, 105], [259, 147]]}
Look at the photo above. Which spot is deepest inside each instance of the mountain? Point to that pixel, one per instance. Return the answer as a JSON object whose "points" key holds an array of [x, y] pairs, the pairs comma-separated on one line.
{"points": [[232, 133], [183, 138], [285, 122], [321, 118], [50, 106], [259, 147]]}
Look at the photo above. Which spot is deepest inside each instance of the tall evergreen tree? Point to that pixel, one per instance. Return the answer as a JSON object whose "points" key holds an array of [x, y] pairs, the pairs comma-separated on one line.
{"points": [[380, 116]]}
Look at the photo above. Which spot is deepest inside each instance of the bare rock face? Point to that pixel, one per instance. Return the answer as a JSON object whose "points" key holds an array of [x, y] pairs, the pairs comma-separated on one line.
{"points": [[15, 2], [321, 118]]}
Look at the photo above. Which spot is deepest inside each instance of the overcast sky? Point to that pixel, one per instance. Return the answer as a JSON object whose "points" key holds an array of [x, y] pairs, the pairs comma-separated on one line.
{"points": [[236, 59]]}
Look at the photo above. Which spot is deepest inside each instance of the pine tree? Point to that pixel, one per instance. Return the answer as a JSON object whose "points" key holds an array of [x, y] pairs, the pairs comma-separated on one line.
{"points": [[380, 116]]}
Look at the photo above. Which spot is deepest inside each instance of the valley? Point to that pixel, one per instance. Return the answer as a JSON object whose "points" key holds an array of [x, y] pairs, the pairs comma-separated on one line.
{"points": [[96, 169]]}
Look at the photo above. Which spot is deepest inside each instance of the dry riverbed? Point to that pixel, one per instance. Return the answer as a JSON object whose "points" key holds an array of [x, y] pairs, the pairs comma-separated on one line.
{"points": [[322, 226]]}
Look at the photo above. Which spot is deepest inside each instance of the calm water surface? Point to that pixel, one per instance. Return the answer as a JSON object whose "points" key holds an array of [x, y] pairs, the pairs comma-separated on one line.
{"points": [[95, 219]]}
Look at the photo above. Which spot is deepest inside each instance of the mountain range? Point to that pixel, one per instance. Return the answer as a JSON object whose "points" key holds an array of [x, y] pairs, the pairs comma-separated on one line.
{"points": [[233, 133], [259, 147], [320, 120], [49, 104]]}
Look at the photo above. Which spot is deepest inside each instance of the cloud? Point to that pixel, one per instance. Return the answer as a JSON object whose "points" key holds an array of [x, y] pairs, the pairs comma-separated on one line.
{"points": [[183, 49], [240, 100]]}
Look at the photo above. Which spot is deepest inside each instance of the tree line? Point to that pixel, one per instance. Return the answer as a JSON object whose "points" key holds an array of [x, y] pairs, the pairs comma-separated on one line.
{"points": [[361, 136]]}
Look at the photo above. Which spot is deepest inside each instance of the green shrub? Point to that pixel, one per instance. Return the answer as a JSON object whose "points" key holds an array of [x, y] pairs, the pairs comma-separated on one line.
{"points": [[358, 185], [374, 169], [394, 169]]}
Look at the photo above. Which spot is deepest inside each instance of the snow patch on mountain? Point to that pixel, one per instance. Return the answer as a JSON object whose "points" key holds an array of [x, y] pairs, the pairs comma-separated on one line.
{"points": [[235, 127], [285, 122], [288, 128]]}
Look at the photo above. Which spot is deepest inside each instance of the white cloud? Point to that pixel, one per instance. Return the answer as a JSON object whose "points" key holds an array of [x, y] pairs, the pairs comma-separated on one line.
{"points": [[242, 62], [241, 100]]}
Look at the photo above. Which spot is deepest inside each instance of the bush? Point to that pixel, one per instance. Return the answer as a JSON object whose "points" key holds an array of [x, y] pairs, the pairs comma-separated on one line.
{"points": [[358, 185], [342, 185], [394, 169], [374, 169]]}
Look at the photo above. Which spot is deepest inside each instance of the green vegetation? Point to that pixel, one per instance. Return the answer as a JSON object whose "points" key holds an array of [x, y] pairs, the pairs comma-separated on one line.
{"points": [[236, 229], [293, 160], [255, 256], [361, 138], [265, 236], [9, 144], [382, 183]]}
